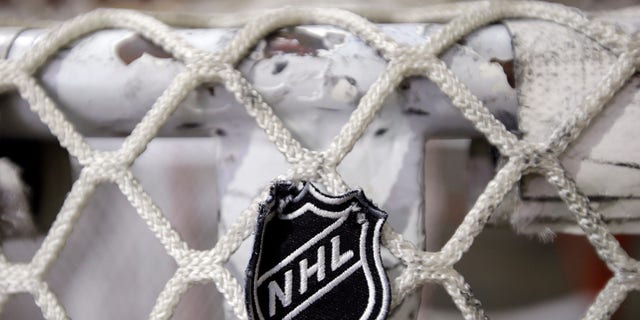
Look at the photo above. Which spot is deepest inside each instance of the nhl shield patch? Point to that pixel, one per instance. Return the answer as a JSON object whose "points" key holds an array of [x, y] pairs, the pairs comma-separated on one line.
{"points": [[317, 256]]}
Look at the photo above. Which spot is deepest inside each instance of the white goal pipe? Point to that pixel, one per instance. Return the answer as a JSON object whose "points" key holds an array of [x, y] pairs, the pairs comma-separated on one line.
{"points": [[106, 82]]}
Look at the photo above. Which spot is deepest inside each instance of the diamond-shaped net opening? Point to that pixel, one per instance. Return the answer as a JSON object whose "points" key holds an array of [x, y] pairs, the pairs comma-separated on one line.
{"points": [[208, 266], [188, 167], [100, 241], [562, 275], [449, 196]]}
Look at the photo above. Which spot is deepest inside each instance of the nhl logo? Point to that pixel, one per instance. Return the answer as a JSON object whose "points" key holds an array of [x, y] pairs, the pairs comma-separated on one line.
{"points": [[317, 257]]}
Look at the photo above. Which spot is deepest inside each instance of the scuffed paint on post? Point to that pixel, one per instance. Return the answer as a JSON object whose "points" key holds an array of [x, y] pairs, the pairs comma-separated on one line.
{"points": [[313, 76]]}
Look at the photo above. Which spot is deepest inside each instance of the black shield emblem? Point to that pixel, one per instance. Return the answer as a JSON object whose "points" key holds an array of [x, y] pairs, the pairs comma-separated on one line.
{"points": [[317, 257]]}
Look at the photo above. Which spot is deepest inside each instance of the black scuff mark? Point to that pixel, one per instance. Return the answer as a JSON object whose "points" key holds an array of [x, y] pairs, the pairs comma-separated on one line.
{"points": [[629, 165], [220, 132], [405, 85], [381, 132], [509, 121], [279, 67], [508, 67], [416, 111], [189, 125], [412, 105], [327, 108], [351, 80]]}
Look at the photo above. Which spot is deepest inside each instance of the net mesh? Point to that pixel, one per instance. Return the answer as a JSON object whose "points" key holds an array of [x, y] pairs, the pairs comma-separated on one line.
{"points": [[197, 266]]}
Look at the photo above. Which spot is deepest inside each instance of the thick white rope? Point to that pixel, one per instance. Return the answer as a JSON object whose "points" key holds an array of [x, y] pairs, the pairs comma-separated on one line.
{"points": [[196, 266]]}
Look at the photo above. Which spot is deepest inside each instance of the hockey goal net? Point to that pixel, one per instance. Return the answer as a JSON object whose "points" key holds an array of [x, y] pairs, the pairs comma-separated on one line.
{"points": [[197, 266]]}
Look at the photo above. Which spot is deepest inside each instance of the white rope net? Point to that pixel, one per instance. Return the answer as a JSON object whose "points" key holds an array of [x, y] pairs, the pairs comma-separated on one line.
{"points": [[198, 266]]}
